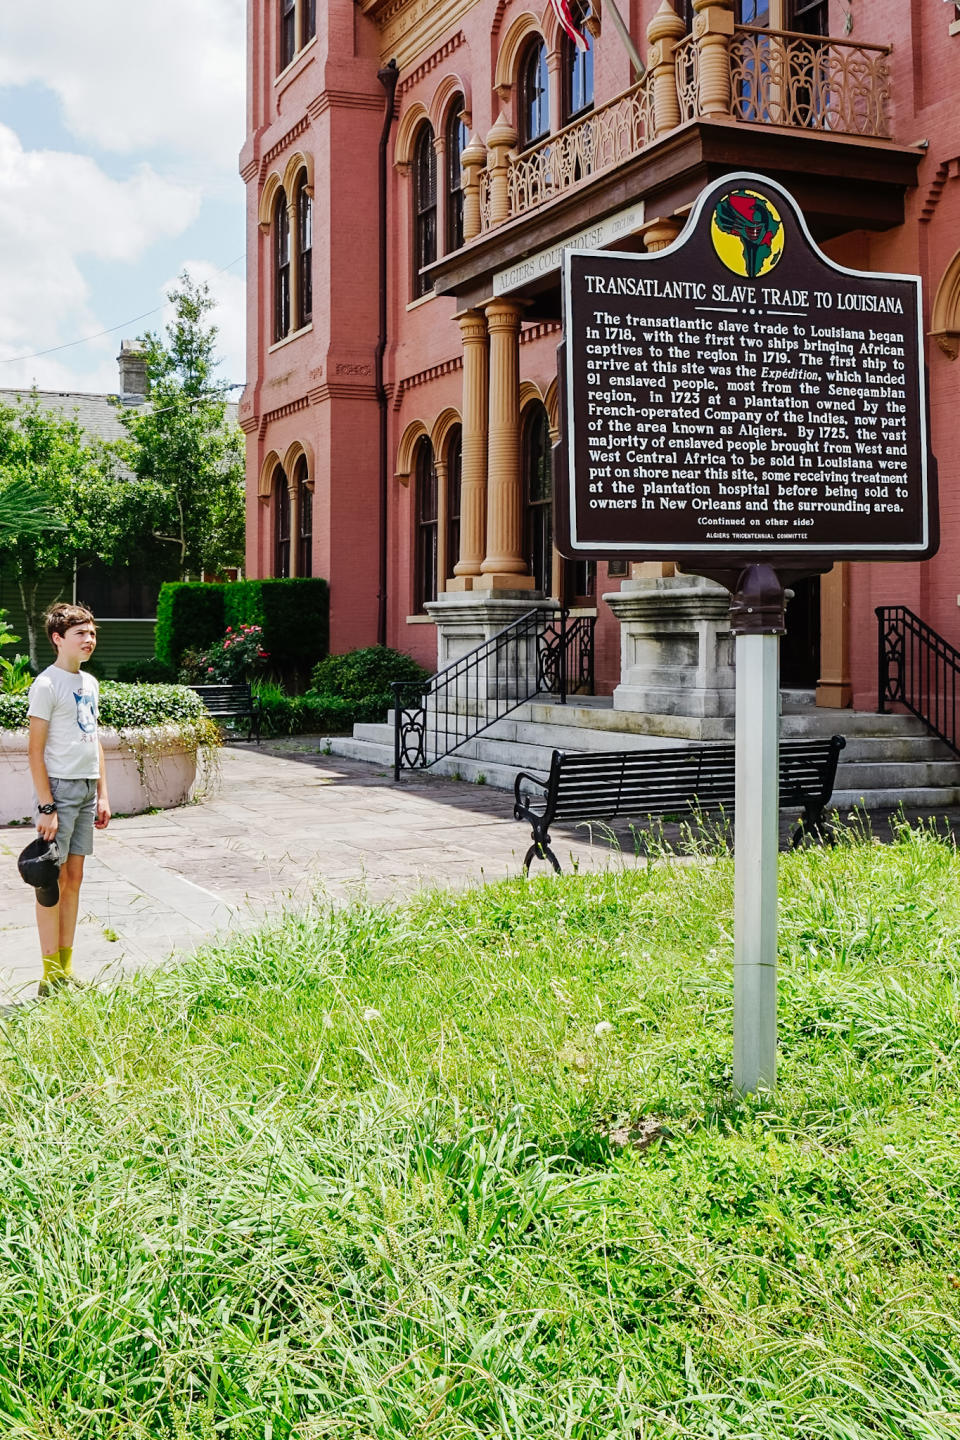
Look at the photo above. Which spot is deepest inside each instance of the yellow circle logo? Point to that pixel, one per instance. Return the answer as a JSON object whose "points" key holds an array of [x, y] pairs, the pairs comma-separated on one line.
{"points": [[747, 233]]}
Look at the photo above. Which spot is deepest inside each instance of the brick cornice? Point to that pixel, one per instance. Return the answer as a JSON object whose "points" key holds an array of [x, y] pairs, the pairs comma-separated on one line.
{"points": [[342, 100], [292, 134], [422, 377], [431, 63]]}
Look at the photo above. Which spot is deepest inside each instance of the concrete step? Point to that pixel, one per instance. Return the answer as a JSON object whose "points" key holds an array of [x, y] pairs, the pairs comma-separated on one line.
{"points": [[915, 797], [924, 774]]}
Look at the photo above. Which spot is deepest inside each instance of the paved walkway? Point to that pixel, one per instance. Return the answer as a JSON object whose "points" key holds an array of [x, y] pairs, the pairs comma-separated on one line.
{"points": [[286, 825]]}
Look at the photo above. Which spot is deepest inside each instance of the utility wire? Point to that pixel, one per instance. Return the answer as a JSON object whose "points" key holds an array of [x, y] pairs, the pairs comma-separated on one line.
{"points": [[85, 340]]}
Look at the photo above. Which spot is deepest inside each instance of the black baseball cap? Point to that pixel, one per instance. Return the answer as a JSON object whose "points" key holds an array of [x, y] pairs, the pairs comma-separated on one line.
{"points": [[39, 866]]}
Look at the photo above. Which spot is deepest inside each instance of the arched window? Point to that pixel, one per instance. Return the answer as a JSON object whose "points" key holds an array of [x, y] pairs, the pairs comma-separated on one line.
{"points": [[577, 67], [456, 139], [281, 268], [281, 524], [304, 519], [304, 207], [538, 497], [454, 483], [288, 32], [424, 209], [425, 579], [534, 108]]}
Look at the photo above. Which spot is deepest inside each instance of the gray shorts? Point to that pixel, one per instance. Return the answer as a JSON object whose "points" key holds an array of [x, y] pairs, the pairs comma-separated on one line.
{"points": [[76, 802]]}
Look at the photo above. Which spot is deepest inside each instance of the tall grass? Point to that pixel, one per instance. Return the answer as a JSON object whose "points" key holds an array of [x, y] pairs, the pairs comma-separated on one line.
{"points": [[470, 1168]]}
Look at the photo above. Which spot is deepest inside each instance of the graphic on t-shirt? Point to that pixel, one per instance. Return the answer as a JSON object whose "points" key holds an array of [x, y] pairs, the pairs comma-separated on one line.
{"points": [[86, 712]]}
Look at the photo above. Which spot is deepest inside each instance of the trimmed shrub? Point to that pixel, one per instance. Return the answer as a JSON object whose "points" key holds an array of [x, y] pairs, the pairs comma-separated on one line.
{"points": [[363, 677], [189, 617], [294, 616], [304, 714], [123, 707], [146, 672]]}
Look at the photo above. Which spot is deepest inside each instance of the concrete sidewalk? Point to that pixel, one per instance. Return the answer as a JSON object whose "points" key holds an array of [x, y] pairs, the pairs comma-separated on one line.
{"points": [[286, 825]]}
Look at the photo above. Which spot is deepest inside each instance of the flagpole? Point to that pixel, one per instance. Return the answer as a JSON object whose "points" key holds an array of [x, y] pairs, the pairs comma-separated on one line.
{"points": [[610, 6]]}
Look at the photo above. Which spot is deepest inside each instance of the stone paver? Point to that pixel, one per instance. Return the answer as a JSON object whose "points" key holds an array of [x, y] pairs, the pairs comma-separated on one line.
{"points": [[287, 825]]}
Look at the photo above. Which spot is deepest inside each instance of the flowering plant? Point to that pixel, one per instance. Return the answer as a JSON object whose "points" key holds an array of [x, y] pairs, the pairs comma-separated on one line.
{"points": [[238, 656]]}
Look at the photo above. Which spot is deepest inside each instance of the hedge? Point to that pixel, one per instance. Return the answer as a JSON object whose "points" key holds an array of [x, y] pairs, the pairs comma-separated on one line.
{"points": [[293, 614], [123, 707], [304, 714], [363, 678], [190, 616]]}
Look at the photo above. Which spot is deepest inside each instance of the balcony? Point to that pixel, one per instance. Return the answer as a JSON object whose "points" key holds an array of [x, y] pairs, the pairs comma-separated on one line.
{"points": [[811, 111]]}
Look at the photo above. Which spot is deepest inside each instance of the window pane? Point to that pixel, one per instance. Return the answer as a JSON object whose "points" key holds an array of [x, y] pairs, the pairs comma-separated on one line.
{"points": [[281, 228], [454, 484], [534, 95], [754, 12], [304, 522], [579, 66], [288, 32], [281, 524], [426, 516], [425, 209], [456, 144], [309, 20], [538, 491], [304, 252]]}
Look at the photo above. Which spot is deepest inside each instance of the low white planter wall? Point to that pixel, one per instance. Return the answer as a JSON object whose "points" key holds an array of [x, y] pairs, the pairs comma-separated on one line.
{"points": [[146, 769]]}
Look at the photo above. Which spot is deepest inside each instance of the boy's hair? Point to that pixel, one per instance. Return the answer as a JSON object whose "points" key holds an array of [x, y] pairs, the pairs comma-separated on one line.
{"points": [[62, 617]]}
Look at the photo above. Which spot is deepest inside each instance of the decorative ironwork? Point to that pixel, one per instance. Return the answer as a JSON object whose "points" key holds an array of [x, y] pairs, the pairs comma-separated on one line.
{"points": [[606, 137], [544, 651], [686, 56], [778, 77], [920, 670]]}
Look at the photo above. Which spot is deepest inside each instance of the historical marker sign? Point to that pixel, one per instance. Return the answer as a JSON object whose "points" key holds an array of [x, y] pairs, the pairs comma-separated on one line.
{"points": [[740, 397]]}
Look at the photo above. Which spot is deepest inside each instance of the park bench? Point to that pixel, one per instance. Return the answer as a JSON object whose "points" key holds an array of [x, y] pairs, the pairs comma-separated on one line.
{"points": [[675, 781], [232, 702]]}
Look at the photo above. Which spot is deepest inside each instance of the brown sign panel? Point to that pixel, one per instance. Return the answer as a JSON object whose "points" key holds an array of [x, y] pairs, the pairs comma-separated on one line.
{"points": [[741, 397]]}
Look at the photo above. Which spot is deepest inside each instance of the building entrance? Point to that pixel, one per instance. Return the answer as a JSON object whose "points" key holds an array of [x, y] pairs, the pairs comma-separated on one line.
{"points": [[800, 646]]}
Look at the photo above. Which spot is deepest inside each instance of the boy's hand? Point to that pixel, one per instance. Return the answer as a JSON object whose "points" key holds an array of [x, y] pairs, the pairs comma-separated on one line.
{"points": [[47, 825], [103, 813]]}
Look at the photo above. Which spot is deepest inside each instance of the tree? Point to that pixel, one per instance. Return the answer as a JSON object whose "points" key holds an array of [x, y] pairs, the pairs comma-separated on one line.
{"points": [[49, 520], [186, 454]]}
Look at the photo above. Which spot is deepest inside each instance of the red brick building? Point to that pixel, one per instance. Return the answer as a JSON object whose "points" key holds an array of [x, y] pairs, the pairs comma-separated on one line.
{"points": [[503, 144]]}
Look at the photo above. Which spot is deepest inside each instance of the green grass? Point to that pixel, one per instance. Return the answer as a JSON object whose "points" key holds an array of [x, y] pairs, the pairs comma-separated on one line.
{"points": [[353, 1176]]}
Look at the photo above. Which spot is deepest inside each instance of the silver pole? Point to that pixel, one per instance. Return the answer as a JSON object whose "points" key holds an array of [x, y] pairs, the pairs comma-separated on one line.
{"points": [[755, 887], [626, 39]]}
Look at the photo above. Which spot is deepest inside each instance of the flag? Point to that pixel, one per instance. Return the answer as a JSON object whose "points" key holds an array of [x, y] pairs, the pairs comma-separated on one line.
{"points": [[561, 8]]}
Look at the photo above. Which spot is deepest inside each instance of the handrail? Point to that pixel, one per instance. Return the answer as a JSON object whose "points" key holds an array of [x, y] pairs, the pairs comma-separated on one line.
{"points": [[543, 651], [919, 669]]}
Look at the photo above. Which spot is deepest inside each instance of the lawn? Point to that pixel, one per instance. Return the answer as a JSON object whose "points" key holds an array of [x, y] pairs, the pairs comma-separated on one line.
{"points": [[471, 1167]]}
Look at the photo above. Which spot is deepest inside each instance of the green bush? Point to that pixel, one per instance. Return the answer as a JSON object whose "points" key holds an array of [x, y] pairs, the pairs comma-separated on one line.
{"points": [[147, 672], [294, 616], [189, 617], [364, 677], [285, 714], [123, 707]]}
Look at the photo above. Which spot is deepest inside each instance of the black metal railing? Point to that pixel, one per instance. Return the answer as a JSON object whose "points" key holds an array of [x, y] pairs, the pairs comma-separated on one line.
{"points": [[920, 670], [543, 652]]}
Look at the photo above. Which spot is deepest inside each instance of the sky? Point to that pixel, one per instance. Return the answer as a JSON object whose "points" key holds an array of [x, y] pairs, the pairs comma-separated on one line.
{"points": [[120, 126]]}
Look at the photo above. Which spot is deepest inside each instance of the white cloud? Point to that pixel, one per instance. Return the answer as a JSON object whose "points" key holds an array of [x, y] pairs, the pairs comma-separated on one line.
{"points": [[136, 75], [229, 292], [55, 210]]}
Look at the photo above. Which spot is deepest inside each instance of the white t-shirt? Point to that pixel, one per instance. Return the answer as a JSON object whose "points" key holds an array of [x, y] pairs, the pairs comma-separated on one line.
{"points": [[71, 705]]}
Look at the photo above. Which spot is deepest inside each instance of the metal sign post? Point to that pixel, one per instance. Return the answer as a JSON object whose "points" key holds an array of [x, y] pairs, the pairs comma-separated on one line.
{"points": [[756, 619]]}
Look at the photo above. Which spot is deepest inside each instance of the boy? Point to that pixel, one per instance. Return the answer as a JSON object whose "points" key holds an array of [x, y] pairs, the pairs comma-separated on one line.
{"points": [[69, 777]]}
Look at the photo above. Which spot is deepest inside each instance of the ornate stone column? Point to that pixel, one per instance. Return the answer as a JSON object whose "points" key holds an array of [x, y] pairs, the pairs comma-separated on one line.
{"points": [[472, 161], [660, 233], [834, 687], [501, 140], [473, 473], [712, 29], [663, 32], [504, 567]]}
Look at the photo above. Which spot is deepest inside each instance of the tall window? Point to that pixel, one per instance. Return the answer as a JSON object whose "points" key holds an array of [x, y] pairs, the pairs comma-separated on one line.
{"points": [[538, 497], [281, 524], [810, 17], [281, 269], [454, 485], [304, 252], [288, 32], [753, 12], [425, 209], [534, 95], [456, 139], [309, 20], [426, 521], [304, 520], [577, 67]]}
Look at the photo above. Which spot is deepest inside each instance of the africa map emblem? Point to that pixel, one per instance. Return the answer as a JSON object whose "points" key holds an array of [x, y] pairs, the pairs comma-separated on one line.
{"points": [[747, 233]]}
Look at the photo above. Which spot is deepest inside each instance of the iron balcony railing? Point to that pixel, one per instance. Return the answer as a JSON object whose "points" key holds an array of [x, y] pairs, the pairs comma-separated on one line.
{"points": [[545, 651], [920, 670]]}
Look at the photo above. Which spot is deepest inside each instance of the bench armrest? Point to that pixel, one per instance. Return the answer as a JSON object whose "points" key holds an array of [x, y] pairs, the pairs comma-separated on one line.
{"points": [[519, 808]]}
